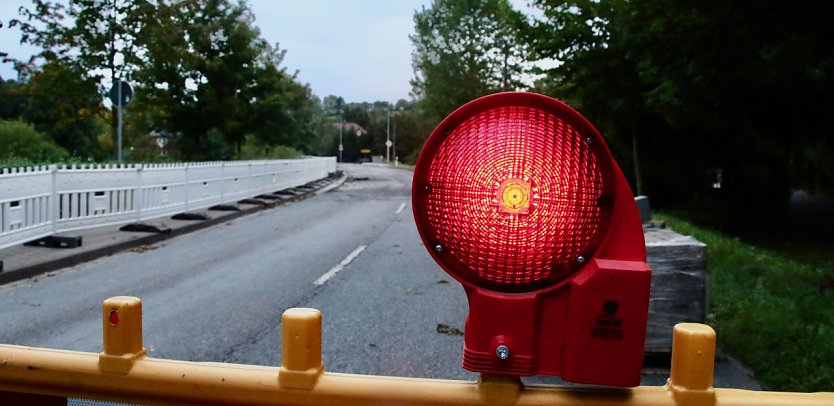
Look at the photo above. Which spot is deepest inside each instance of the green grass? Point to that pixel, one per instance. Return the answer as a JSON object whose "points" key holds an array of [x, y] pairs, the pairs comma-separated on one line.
{"points": [[772, 309]]}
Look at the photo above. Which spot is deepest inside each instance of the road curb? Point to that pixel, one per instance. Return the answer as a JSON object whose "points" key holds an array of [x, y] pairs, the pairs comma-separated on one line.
{"points": [[25, 272], [335, 185]]}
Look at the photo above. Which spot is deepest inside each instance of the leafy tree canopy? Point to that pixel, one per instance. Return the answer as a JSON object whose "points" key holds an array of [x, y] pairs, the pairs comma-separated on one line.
{"points": [[712, 93], [463, 50], [199, 68], [64, 104]]}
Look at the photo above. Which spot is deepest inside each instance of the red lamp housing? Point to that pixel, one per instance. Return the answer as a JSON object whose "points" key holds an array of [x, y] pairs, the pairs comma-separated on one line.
{"points": [[517, 196]]}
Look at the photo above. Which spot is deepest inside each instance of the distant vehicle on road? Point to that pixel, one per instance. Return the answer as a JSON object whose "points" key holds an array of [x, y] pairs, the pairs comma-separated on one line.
{"points": [[365, 156]]}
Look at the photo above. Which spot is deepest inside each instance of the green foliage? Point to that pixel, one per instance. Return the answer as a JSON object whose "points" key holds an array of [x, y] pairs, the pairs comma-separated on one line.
{"points": [[64, 105], [212, 79], [97, 39], [254, 149], [100, 36], [12, 100], [597, 76], [463, 50], [411, 130], [403, 123], [199, 68], [770, 310], [700, 89], [199, 73], [332, 105], [282, 111], [22, 145]]}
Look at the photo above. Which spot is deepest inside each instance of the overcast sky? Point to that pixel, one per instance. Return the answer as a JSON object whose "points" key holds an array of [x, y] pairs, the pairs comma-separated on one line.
{"points": [[357, 49]]}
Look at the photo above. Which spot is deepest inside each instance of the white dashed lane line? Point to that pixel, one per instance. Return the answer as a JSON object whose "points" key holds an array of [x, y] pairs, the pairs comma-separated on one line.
{"points": [[333, 271], [336, 269]]}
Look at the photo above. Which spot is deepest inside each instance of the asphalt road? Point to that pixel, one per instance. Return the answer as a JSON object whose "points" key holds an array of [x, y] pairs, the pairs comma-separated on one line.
{"points": [[218, 294]]}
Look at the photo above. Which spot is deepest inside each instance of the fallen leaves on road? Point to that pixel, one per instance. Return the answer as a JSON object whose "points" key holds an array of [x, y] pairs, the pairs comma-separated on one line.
{"points": [[144, 248], [449, 330]]}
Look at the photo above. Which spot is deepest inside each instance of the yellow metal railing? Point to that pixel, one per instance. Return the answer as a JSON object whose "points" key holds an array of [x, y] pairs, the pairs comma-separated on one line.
{"points": [[123, 372]]}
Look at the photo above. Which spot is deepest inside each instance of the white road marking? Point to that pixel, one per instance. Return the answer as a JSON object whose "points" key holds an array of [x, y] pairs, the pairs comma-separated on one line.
{"points": [[333, 271], [402, 207]]}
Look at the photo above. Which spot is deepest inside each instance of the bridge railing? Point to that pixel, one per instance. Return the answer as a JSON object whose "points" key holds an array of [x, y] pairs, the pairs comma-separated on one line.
{"points": [[123, 372], [37, 202]]}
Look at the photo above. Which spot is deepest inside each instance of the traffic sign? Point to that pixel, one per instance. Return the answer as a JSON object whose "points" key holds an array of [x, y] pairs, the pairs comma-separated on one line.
{"points": [[388, 143], [126, 93]]}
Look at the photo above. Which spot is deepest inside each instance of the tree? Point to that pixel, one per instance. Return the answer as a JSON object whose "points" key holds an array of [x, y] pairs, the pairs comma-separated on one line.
{"points": [[20, 141], [410, 130], [62, 102], [98, 38], [757, 90], [463, 50], [281, 109], [3, 55], [333, 105], [202, 70], [12, 99], [705, 90], [600, 73], [308, 116]]}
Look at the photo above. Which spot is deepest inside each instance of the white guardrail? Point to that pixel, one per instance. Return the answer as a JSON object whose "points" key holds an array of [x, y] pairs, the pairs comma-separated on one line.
{"points": [[36, 202]]}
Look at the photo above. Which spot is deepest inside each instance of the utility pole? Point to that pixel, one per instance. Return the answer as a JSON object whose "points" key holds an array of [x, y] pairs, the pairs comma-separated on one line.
{"points": [[388, 134], [119, 125], [341, 129]]}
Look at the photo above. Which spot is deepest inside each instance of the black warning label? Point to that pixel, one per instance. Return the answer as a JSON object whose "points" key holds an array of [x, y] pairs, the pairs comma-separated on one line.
{"points": [[608, 326]]}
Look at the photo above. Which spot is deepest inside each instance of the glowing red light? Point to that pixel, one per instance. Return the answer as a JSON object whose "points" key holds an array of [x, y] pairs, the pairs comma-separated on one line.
{"points": [[517, 197], [513, 195]]}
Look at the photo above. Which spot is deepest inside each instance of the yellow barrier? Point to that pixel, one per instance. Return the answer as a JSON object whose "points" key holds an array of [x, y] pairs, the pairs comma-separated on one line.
{"points": [[123, 372]]}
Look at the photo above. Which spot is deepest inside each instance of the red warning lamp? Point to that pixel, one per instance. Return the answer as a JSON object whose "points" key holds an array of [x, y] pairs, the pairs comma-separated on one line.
{"points": [[517, 197]]}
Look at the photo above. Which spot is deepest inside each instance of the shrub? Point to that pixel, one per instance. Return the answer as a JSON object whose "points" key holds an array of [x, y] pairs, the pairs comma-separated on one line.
{"points": [[253, 149], [20, 142]]}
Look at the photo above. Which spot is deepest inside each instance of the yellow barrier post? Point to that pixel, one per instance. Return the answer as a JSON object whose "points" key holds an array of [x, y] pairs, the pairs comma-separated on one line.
{"points": [[693, 363], [300, 348], [122, 372], [499, 390], [121, 319]]}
